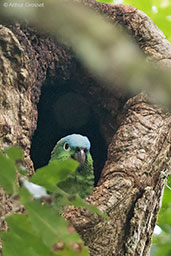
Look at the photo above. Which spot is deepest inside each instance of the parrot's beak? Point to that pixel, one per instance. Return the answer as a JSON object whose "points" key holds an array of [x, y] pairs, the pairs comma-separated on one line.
{"points": [[80, 156]]}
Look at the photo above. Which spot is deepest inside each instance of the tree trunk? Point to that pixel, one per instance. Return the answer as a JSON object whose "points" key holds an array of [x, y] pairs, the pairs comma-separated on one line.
{"points": [[130, 137], [130, 187]]}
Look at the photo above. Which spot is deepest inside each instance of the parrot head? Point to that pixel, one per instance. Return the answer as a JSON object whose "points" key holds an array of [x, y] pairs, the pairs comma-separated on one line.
{"points": [[73, 146]]}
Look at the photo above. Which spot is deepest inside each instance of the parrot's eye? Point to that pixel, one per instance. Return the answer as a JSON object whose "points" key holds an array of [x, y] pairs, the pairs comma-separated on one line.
{"points": [[66, 146]]}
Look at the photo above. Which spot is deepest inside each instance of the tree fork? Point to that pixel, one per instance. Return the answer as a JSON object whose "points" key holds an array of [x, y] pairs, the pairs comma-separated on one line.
{"points": [[131, 184]]}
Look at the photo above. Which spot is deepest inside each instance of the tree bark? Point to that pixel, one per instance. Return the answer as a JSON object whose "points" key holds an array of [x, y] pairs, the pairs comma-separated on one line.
{"points": [[130, 188], [136, 133]]}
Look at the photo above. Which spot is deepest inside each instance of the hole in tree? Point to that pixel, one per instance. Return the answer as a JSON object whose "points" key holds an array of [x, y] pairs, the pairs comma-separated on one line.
{"points": [[63, 110]]}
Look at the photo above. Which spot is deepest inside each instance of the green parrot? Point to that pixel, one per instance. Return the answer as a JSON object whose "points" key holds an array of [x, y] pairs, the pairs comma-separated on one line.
{"points": [[77, 147]]}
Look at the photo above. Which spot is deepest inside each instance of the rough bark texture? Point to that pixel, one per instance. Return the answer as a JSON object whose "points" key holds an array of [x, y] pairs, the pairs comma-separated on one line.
{"points": [[130, 188], [138, 133]]}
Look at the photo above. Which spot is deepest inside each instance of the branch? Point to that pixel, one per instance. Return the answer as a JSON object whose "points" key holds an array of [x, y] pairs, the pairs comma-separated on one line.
{"points": [[108, 53]]}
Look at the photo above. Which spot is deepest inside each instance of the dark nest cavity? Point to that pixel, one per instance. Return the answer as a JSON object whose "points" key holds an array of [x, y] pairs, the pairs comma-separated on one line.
{"points": [[67, 107]]}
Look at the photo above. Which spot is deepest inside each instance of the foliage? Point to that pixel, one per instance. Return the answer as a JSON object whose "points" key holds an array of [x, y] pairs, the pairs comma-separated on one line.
{"points": [[161, 243], [41, 230]]}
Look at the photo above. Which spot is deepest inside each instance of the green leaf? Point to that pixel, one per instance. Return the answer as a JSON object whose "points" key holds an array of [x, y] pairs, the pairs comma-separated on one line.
{"points": [[7, 174], [47, 222], [25, 195], [21, 240], [52, 228], [14, 153], [55, 172]]}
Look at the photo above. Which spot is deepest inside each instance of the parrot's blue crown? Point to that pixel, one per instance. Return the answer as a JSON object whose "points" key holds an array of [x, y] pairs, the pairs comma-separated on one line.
{"points": [[77, 140]]}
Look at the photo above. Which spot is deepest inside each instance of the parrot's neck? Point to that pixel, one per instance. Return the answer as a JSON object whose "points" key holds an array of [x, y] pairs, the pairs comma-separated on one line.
{"points": [[85, 177], [82, 182]]}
